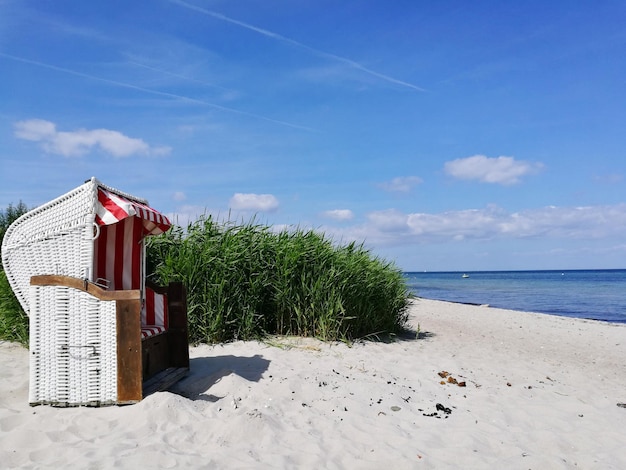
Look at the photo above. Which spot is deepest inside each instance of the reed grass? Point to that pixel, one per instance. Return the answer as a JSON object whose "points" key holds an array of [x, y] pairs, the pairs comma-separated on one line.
{"points": [[13, 320], [245, 281]]}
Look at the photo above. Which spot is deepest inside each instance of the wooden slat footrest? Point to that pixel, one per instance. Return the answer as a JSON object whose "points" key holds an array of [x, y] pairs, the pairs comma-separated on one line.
{"points": [[163, 380]]}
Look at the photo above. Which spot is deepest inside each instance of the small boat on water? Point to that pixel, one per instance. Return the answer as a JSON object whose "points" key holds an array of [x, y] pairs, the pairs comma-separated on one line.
{"points": [[465, 276]]}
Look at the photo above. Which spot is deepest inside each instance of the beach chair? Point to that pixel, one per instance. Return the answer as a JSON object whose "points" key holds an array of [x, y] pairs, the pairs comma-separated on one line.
{"points": [[100, 333]]}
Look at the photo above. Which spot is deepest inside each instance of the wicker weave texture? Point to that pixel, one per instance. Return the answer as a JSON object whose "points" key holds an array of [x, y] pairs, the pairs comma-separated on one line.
{"points": [[73, 358], [56, 238]]}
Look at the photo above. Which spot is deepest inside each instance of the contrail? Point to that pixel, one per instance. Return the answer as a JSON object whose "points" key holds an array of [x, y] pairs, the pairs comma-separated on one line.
{"points": [[293, 42], [172, 74], [153, 92]]}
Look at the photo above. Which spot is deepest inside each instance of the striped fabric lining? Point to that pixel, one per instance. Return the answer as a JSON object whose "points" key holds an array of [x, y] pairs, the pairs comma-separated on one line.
{"points": [[155, 309], [154, 318], [148, 331], [118, 252], [111, 208], [123, 271]]}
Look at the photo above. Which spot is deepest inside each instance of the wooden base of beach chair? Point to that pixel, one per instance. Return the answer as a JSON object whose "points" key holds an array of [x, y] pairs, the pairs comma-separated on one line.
{"points": [[154, 355], [163, 380]]}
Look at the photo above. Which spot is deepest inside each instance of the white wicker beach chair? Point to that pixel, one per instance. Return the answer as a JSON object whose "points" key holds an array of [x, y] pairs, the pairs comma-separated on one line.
{"points": [[99, 332]]}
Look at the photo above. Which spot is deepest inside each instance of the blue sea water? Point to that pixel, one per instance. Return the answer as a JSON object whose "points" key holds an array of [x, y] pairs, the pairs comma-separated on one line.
{"points": [[593, 294]]}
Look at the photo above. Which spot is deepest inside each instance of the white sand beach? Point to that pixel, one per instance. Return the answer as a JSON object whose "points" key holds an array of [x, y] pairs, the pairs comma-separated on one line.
{"points": [[541, 392]]}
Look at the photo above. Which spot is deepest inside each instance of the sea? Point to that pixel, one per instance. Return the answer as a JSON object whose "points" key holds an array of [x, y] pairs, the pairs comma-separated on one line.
{"points": [[598, 294]]}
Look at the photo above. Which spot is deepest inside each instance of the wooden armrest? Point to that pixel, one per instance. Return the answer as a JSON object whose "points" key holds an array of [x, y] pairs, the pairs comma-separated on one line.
{"points": [[85, 286]]}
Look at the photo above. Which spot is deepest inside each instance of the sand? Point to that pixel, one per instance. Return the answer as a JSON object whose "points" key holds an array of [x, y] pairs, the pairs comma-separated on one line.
{"points": [[541, 392]]}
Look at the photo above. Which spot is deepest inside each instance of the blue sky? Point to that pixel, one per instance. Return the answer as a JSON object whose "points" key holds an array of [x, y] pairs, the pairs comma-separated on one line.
{"points": [[446, 135]]}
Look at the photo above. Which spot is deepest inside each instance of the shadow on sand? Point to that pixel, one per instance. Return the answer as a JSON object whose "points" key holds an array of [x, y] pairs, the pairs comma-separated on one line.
{"points": [[407, 334], [411, 335], [207, 371]]}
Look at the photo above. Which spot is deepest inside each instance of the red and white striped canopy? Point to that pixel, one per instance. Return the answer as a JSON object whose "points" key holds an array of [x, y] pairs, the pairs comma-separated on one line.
{"points": [[111, 208]]}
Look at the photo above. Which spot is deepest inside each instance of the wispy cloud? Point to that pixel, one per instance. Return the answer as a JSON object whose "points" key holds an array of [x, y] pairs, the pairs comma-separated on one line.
{"points": [[613, 178], [500, 170], [339, 214], [188, 213], [292, 42], [179, 196], [80, 142], [151, 91], [254, 202], [388, 221], [70, 29], [401, 184]]}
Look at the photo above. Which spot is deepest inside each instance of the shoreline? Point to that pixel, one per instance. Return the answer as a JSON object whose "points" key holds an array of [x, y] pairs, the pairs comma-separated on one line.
{"points": [[553, 314], [539, 392], [453, 302]]}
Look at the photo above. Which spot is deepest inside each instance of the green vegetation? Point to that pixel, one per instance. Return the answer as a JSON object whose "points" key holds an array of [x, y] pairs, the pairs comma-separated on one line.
{"points": [[13, 320], [245, 281], [7, 217]]}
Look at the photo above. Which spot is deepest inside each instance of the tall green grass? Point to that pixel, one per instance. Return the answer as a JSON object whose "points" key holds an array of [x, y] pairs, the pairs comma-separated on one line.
{"points": [[13, 320], [245, 281]]}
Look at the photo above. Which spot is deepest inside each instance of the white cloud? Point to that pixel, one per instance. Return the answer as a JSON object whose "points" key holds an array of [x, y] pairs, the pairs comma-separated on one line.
{"points": [[402, 184], [82, 141], [254, 202], [160, 151], [388, 221], [500, 170], [587, 222], [339, 214], [179, 196], [35, 130], [392, 227]]}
